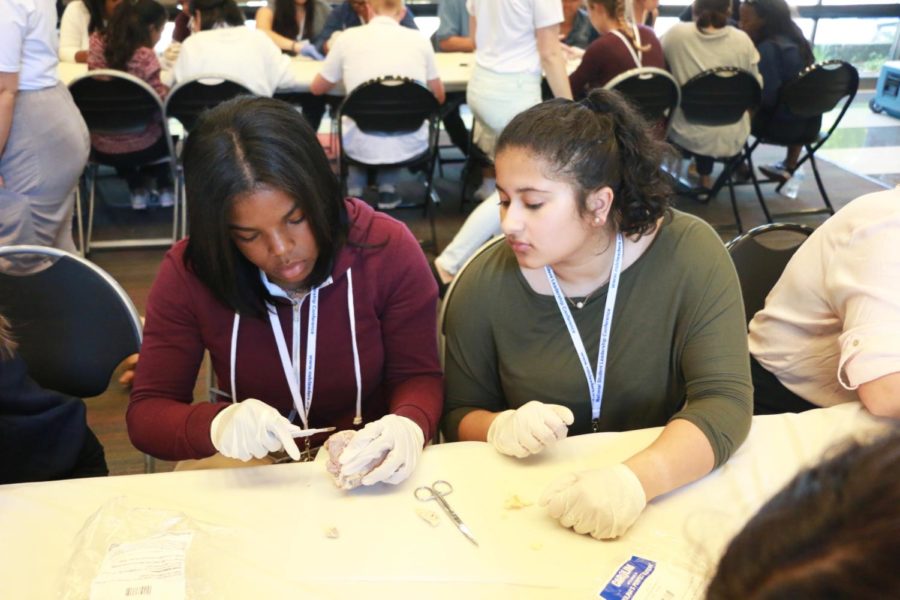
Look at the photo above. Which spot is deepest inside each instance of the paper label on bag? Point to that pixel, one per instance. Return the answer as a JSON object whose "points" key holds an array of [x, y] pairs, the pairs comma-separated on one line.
{"points": [[644, 579], [148, 569]]}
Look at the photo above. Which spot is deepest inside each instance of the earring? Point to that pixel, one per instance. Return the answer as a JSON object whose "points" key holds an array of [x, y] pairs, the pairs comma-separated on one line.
{"points": [[596, 220]]}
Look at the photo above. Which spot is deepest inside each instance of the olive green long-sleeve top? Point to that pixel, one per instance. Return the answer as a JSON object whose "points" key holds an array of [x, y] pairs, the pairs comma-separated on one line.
{"points": [[677, 350]]}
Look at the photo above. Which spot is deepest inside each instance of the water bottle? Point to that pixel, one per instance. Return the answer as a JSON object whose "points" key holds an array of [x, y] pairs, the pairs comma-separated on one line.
{"points": [[792, 187]]}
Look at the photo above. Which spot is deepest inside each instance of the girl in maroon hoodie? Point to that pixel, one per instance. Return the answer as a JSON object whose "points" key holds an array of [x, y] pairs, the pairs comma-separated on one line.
{"points": [[316, 311]]}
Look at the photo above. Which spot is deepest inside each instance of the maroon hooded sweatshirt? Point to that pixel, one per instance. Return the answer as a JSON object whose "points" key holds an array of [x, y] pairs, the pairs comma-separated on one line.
{"points": [[394, 303]]}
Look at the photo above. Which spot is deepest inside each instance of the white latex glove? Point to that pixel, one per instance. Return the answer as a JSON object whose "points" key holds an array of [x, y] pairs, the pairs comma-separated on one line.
{"points": [[253, 429], [396, 438], [602, 502], [530, 428]]}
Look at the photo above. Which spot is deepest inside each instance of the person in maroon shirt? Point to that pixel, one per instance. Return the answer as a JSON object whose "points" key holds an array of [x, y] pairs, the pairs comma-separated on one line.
{"points": [[316, 311], [617, 50]]}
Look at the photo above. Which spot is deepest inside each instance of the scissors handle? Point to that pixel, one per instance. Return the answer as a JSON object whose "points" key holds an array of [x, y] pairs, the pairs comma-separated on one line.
{"points": [[433, 492], [437, 491]]}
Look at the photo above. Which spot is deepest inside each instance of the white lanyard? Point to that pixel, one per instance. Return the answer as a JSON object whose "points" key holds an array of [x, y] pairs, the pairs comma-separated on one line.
{"points": [[291, 362], [637, 56], [595, 382]]}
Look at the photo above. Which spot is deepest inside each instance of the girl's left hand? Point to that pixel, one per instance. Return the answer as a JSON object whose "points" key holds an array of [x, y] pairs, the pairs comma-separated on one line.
{"points": [[396, 438], [603, 502]]}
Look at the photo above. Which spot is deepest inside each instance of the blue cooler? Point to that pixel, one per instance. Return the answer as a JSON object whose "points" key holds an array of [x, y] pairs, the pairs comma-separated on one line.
{"points": [[887, 92]]}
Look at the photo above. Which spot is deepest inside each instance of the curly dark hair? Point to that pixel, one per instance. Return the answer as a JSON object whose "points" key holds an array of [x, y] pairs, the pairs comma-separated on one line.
{"points": [[832, 532], [598, 142], [129, 29], [777, 21]]}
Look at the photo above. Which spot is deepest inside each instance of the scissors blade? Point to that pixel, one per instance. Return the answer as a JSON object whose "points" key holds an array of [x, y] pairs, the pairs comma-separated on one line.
{"points": [[466, 532]]}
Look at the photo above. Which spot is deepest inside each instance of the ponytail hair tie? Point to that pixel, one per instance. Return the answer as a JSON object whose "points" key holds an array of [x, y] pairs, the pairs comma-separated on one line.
{"points": [[596, 102], [589, 104]]}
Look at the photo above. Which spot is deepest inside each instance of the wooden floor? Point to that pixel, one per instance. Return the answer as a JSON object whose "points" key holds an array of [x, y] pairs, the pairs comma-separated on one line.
{"points": [[136, 269]]}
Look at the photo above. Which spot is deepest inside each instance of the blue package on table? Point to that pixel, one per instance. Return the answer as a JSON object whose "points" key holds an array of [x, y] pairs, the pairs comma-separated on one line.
{"points": [[628, 579]]}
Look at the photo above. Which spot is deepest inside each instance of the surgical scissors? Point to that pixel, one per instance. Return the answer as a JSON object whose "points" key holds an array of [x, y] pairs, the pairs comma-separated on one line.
{"points": [[436, 492]]}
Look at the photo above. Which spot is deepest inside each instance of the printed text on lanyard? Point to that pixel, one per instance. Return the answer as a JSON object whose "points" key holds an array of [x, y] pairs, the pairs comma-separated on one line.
{"points": [[595, 382]]}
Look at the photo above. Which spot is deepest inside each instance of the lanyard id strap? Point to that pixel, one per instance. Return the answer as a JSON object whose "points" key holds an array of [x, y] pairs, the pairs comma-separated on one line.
{"points": [[636, 55], [290, 363], [595, 382]]}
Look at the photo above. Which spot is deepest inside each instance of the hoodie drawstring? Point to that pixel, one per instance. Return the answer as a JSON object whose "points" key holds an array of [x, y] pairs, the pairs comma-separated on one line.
{"points": [[351, 311], [279, 335]]}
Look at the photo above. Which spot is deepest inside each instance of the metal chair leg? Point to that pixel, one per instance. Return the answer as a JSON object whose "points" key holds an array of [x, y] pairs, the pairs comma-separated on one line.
{"points": [[734, 206], [91, 200], [759, 196], [815, 168], [79, 218]]}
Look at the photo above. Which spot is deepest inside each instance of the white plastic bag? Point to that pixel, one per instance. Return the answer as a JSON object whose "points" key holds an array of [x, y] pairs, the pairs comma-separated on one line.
{"points": [[145, 552]]}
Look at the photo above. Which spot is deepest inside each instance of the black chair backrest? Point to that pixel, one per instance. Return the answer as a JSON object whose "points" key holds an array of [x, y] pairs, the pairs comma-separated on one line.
{"points": [[73, 322], [820, 87], [719, 96], [445, 303], [390, 105], [115, 102], [654, 92], [760, 256], [187, 100]]}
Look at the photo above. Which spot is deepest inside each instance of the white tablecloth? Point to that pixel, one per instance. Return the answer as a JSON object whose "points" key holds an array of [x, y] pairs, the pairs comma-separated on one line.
{"points": [[276, 516], [455, 69]]}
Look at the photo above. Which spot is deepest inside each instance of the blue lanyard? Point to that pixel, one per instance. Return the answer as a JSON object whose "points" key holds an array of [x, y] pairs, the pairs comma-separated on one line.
{"points": [[595, 382]]}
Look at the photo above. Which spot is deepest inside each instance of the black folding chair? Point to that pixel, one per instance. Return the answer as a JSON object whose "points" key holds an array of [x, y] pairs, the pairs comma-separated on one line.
{"points": [[819, 89], [718, 97], [760, 256], [654, 92], [187, 101], [73, 322], [114, 102], [190, 98], [394, 105]]}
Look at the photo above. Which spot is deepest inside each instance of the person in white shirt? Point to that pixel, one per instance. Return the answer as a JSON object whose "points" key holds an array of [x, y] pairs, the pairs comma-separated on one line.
{"points": [[380, 48], [44, 142], [222, 45], [830, 330], [514, 42], [80, 19], [691, 48]]}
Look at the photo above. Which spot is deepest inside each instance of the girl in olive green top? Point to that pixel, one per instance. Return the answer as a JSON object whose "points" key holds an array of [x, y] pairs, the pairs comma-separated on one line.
{"points": [[591, 247]]}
